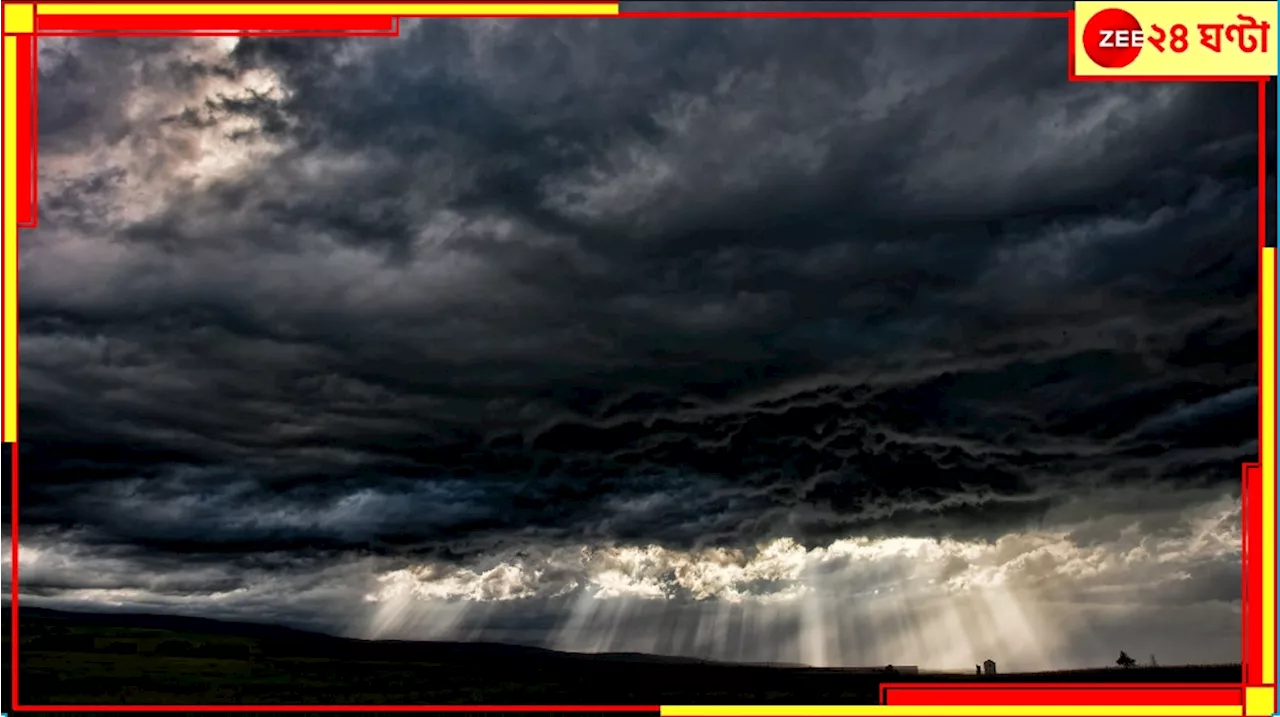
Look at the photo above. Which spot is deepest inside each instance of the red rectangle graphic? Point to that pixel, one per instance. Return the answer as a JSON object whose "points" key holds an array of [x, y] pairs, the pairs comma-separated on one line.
{"points": [[187, 24], [26, 128], [1013, 694]]}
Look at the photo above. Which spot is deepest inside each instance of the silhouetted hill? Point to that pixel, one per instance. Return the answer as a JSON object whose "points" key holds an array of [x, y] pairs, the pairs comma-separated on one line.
{"points": [[285, 637], [152, 621]]}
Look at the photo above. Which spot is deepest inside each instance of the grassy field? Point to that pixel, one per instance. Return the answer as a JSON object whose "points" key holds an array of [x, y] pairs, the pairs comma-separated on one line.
{"points": [[71, 659]]}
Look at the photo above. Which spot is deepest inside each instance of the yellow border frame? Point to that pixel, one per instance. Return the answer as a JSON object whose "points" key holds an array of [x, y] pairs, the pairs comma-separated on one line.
{"points": [[9, 235], [1267, 452], [402, 9], [1260, 701], [956, 711]]}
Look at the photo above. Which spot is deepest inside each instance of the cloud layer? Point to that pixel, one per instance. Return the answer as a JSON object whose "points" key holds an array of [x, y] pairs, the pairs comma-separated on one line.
{"points": [[764, 340]]}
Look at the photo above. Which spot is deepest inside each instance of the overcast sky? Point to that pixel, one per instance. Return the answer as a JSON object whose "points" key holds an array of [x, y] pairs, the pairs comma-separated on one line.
{"points": [[836, 342]]}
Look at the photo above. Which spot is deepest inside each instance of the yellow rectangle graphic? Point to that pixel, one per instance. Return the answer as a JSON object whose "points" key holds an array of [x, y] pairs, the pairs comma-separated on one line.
{"points": [[1169, 25], [1267, 456], [1260, 701], [394, 9], [19, 18], [10, 239], [954, 711]]}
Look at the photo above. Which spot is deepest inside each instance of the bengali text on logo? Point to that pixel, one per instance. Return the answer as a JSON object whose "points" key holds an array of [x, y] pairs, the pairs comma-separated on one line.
{"points": [[1188, 39]]}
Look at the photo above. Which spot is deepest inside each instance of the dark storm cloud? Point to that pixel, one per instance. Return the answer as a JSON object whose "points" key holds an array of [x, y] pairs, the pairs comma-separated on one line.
{"points": [[500, 284]]}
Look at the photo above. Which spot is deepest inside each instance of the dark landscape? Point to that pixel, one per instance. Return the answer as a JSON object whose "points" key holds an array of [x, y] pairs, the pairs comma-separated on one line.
{"points": [[84, 658]]}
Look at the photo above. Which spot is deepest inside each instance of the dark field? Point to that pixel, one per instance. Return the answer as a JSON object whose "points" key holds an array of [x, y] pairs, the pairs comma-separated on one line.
{"points": [[68, 658]]}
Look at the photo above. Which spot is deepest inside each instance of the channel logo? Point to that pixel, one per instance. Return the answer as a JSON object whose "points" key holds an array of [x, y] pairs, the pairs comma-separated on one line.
{"points": [[1188, 40], [1113, 38]]}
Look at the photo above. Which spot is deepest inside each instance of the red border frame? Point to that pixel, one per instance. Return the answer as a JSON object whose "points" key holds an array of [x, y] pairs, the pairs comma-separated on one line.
{"points": [[933, 694], [1081, 694]]}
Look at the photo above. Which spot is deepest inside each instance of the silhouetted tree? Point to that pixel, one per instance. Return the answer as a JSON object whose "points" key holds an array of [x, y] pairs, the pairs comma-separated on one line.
{"points": [[1125, 661]]}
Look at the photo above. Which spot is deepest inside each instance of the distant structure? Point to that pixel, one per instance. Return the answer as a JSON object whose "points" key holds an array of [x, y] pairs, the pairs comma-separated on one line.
{"points": [[989, 667], [977, 669]]}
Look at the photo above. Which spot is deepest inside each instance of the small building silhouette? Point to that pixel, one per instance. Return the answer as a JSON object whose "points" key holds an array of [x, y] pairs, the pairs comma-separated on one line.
{"points": [[989, 667]]}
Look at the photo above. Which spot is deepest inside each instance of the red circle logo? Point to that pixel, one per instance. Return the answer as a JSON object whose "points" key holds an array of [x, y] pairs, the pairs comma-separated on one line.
{"points": [[1113, 38]]}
